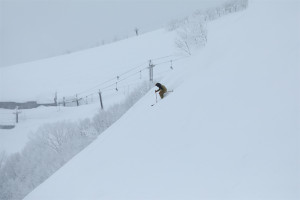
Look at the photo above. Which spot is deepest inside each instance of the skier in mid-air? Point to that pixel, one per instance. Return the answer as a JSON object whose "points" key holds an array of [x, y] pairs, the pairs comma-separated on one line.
{"points": [[161, 89]]}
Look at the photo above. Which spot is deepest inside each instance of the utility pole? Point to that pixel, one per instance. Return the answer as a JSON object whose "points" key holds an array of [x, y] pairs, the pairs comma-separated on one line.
{"points": [[17, 112], [151, 65], [77, 101]]}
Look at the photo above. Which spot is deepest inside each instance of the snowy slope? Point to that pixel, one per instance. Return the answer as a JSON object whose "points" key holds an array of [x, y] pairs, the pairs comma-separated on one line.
{"points": [[70, 74], [78, 73], [229, 131]]}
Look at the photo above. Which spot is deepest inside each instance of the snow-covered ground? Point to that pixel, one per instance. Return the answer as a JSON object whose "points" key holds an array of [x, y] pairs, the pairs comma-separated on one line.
{"points": [[77, 72], [82, 73], [14, 140], [230, 129]]}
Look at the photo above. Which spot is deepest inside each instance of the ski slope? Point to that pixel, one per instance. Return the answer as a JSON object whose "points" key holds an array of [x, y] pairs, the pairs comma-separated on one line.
{"points": [[230, 129], [71, 74], [79, 73]]}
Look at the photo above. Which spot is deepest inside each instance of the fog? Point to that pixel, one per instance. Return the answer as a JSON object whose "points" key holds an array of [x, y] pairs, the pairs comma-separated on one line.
{"points": [[37, 29]]}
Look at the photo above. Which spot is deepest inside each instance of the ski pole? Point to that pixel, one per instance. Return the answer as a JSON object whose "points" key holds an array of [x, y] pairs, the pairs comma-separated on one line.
{"points": [[156, 96]]}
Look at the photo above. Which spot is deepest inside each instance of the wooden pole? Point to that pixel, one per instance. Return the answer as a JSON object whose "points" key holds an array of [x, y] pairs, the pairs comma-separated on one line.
{"points": [[101, 103], [77, 102]]}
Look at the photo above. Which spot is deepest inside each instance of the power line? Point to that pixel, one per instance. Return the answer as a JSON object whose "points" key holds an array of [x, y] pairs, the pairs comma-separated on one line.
{"points": [[140, 65], [114, 82]]}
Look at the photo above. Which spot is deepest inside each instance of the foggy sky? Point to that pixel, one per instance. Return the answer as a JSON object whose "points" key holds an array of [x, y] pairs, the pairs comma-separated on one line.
{"points": [[36, 29]]}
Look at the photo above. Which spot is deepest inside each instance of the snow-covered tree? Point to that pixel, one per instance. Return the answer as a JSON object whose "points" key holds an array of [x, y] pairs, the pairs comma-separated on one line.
{"points": [[192, 32], [52, 145], [191, 35]]}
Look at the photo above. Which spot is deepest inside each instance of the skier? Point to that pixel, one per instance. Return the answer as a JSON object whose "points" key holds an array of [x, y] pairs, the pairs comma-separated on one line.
{"points": [[161, 89]]}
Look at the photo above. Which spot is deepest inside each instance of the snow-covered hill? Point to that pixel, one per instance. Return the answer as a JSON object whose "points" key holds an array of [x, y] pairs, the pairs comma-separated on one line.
{"points": [[230, 129], [81, 73], [70, 74]]}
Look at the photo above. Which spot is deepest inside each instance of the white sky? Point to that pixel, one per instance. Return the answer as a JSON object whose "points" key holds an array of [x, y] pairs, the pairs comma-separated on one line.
{"points": [[35, 29]]}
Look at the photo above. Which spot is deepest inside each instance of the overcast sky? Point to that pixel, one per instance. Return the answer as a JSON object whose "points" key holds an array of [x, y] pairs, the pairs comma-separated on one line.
{"points": [[35, 29]]}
